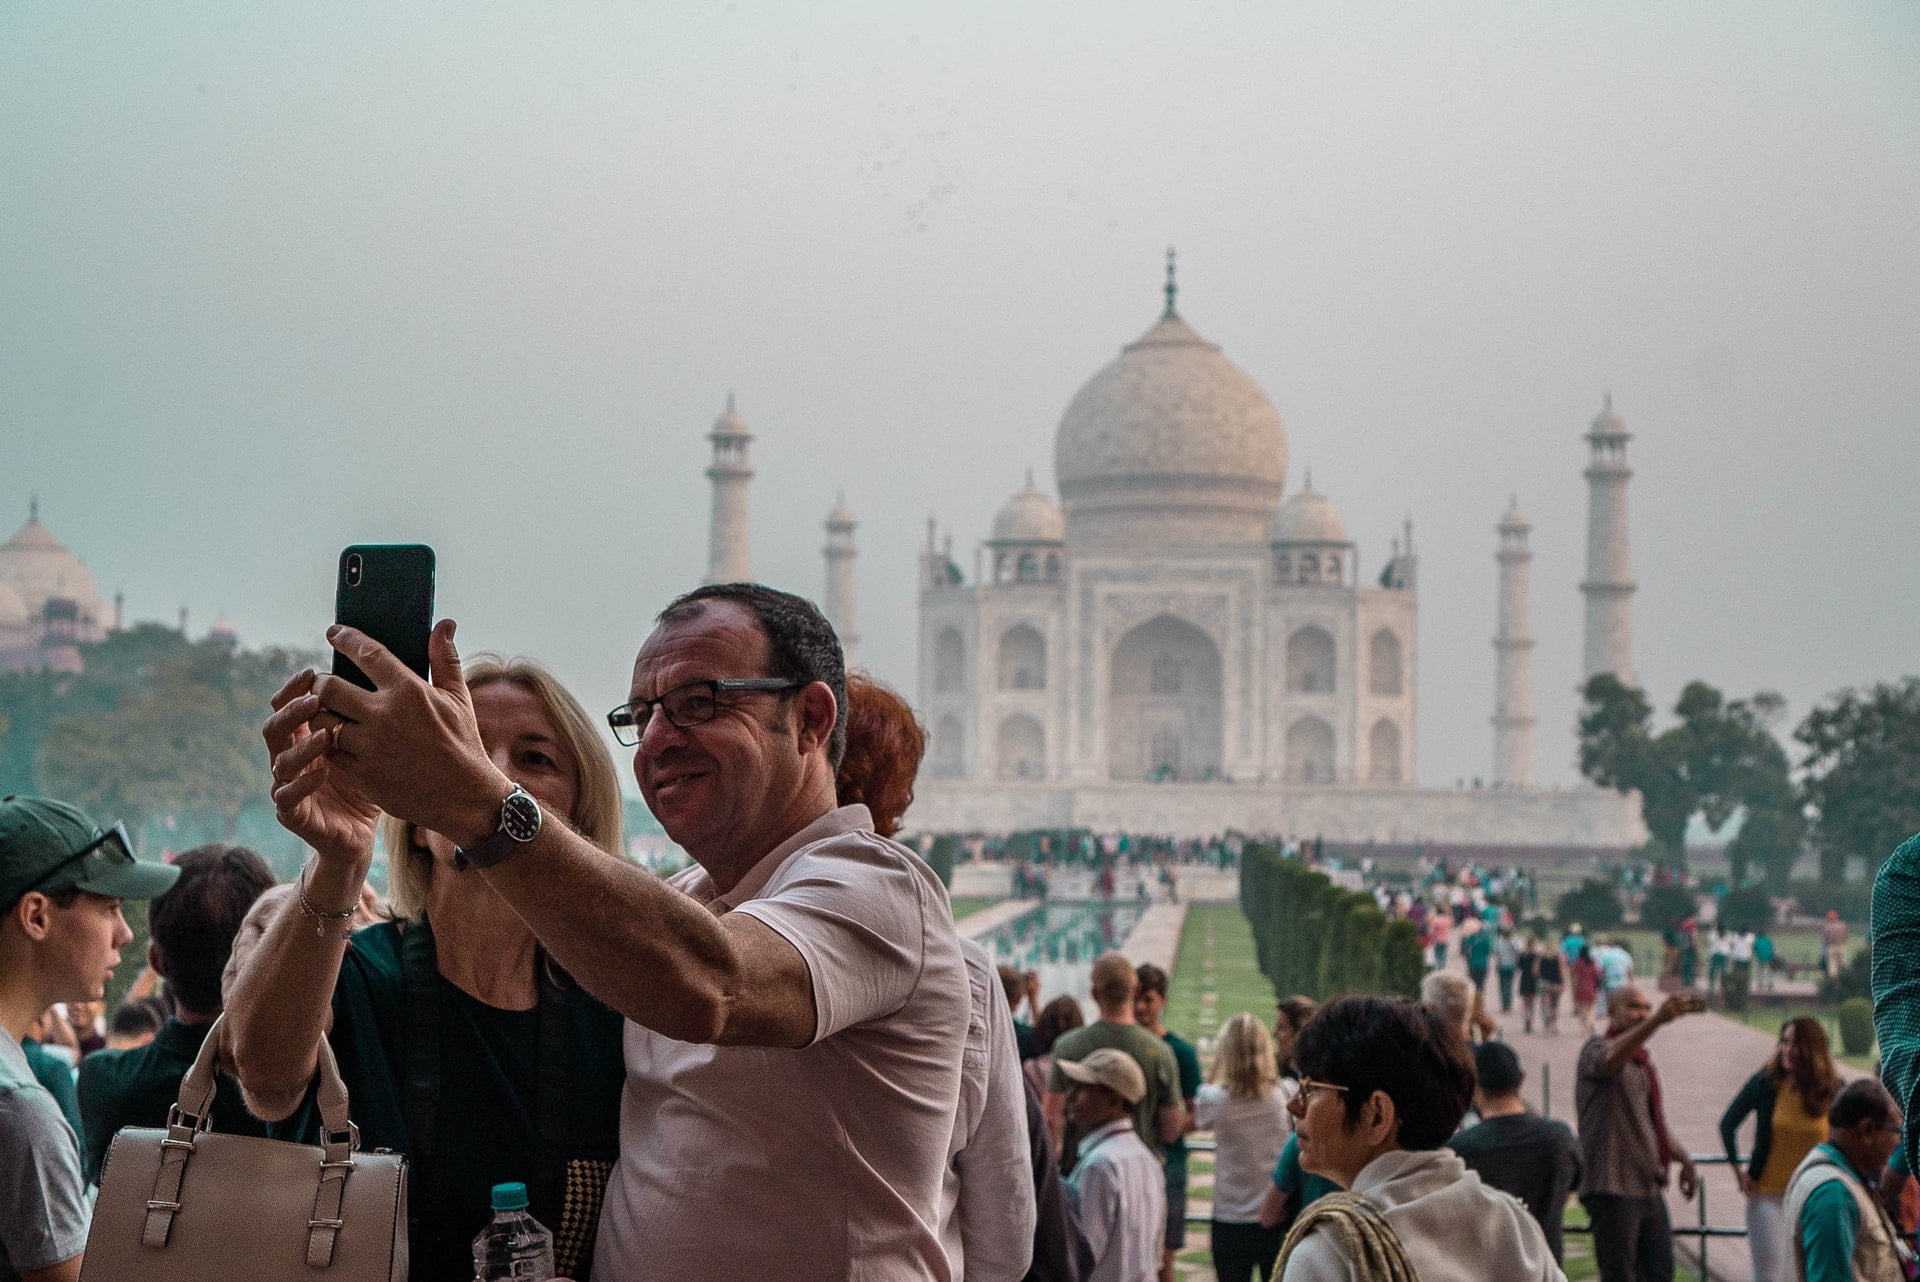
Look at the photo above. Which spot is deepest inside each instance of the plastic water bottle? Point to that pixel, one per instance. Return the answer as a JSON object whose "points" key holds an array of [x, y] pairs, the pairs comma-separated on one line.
{"points": [[515, 1247]]}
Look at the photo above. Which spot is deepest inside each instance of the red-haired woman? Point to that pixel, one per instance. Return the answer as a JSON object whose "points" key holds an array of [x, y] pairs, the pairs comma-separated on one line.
{"points": [[1789, 1099]]}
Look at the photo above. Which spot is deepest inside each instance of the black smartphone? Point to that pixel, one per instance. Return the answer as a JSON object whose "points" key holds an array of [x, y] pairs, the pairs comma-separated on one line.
{"points": [[386, 591]]}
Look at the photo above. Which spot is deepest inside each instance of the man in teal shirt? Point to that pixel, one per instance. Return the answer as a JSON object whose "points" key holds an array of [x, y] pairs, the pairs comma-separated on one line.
{"points": [[1149, 1011], [1839, 1231]]}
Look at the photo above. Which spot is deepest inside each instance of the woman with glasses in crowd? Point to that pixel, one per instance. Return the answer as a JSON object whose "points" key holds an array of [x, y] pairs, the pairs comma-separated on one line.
{"points": [[1383, 1086], [461, 1043]]}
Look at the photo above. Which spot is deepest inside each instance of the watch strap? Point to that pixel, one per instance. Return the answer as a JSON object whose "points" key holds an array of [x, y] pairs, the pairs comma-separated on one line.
{"points": [[501, 842]]}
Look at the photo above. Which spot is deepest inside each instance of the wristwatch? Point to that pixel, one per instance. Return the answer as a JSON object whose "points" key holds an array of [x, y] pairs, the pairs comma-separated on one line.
{"points": [[519, 823]]}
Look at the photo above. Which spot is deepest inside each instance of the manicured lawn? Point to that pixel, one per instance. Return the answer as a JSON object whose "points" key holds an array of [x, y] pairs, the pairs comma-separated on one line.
{"points": [[1769, 1018], [1235, 981], [966, 906]]}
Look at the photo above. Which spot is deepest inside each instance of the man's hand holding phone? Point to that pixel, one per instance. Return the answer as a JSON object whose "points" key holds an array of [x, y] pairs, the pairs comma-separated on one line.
{"points": [[411, 747], [1679, 1004]]}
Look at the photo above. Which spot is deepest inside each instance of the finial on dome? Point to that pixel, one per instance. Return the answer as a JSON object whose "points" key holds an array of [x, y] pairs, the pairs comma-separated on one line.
{"points": [[1173, 286], [1307, 485], [730, 400], [1606, 401], [1029, 476], [33, 509]]}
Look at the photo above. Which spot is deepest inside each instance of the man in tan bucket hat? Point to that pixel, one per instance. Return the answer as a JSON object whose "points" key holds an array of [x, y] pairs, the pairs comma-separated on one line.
{"points": [[1117, 1180]]}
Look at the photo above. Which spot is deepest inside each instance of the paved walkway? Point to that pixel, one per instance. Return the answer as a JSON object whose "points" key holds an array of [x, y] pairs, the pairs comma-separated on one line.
{"points": [[977, 924], [1703, 1060], [1156, 937]]}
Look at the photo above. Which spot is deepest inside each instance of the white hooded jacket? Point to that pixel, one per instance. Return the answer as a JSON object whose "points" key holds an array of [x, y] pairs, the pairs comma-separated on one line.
{"points": [[1454, 1228]]}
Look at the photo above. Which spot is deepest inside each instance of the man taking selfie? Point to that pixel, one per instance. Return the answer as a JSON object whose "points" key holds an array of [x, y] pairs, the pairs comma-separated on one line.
{"points": [[797, 1001]]}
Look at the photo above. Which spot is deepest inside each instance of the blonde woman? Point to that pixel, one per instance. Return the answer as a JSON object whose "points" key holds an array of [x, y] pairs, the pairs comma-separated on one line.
{"points": [[1244, 1104], [461, 1043]]}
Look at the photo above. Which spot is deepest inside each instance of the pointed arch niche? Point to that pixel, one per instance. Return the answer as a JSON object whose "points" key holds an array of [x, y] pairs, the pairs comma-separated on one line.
{"points": [[1164, 711]]}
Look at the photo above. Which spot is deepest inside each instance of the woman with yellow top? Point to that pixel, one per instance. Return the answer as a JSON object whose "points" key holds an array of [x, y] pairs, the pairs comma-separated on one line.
{"points": [[1789, 1100]]}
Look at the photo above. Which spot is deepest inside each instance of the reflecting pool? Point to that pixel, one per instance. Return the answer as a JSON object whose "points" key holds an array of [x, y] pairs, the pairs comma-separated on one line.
{"points": [[1060, 941]]}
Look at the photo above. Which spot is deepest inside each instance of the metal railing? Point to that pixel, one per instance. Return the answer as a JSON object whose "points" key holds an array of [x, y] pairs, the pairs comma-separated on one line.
{"points": [[1702, 1232]]}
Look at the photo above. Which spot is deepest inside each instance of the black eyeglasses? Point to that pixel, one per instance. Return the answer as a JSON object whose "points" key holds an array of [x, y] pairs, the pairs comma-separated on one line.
{"points": [[690, 705], [114, 836]]}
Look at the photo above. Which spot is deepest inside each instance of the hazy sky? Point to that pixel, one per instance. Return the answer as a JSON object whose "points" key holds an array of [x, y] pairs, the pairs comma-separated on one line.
{"points": [[277, 278]]}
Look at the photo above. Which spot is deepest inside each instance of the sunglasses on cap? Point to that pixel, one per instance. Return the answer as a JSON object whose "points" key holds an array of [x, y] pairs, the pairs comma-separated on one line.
{"points": [[111, 850]]}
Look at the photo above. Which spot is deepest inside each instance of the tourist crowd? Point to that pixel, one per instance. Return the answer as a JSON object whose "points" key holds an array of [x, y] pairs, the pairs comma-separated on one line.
{"points": [[785, 1062]]}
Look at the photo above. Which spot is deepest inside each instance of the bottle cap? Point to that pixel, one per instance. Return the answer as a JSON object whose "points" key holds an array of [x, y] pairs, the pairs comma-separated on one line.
{"points": [[509, 1197]]}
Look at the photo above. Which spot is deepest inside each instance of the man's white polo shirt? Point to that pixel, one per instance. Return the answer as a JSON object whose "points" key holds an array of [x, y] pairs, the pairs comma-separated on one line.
{"points": [[823, 1162]]}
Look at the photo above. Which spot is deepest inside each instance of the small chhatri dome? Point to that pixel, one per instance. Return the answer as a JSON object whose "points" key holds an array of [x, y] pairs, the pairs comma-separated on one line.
{"points": [[730, 422], [841, 513], [1515, 519], [1029, 517], [223, 628], [1309, 517], [1171, 442], [1608, 421]]}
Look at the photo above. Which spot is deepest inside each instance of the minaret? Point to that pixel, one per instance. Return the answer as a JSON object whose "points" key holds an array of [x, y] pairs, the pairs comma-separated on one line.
{"points": [[841, 588], [1609, 583], [729, 552], [1513, 656]]}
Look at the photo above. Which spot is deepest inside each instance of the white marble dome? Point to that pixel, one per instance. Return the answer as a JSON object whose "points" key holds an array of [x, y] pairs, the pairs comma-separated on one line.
{"points": [[13, 611], [38, 567], [1171, 442], [1309, 517], [1029, 517]]}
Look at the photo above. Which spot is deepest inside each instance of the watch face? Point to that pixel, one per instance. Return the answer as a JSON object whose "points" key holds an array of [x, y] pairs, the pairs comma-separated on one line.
{"points": [[520, 816]]}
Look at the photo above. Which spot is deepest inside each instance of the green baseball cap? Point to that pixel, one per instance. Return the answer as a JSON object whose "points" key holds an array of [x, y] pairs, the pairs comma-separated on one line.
{"points": [[49, 846]]}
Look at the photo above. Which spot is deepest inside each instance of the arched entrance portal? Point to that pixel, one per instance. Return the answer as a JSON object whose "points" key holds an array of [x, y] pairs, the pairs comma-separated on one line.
{"points": [[1164, 710]]}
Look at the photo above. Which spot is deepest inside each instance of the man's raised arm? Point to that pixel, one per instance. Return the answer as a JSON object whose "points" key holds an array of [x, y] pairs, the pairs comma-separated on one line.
{"points": [[645, 949]]}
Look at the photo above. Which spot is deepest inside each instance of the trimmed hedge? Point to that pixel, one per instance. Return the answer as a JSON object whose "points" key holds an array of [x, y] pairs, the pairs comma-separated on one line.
{"points": [[1856, 1026], [1595, 905], [1318, 939], [1748, 908]]}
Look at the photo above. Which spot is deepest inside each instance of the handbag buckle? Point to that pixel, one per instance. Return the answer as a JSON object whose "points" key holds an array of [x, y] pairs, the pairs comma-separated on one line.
{"points": [[177, 1116], [326, 1224]]}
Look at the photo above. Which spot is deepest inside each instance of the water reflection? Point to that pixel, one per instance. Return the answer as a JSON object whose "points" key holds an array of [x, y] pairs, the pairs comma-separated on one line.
{"points": [[1060, 942]]}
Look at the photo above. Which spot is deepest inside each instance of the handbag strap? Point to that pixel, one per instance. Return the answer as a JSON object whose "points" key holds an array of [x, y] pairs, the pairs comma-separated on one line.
{"points": [[192, 1116], [553, 1082], [420, 1034], [420, 971]]}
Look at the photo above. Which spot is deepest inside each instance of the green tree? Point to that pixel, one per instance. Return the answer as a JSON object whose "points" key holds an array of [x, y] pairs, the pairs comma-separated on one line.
{"points": [[1862, 774], [159, 733], [1720, 759], [1618, 749]]}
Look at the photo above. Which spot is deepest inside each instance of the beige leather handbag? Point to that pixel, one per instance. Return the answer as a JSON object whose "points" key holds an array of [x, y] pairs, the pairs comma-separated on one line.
{"points": [[187, 1204]]}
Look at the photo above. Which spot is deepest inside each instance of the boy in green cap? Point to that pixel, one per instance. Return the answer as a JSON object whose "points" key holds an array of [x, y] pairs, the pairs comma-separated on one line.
{"points": [[62, 878]]}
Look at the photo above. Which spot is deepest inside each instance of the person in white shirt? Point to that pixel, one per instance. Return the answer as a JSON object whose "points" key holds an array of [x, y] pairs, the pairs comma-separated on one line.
{"points": [[1245, 1106], [1117, 1181], [987, 1201]]}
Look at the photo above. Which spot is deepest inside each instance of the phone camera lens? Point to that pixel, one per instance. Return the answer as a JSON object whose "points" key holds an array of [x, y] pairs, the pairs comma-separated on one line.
{"points": [[353, 570]]}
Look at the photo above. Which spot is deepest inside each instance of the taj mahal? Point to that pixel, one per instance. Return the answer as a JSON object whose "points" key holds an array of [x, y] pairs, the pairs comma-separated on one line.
{"points": [[1177, 645]]}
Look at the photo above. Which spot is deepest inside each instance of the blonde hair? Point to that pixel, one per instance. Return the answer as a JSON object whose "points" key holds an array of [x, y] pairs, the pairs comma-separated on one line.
{"points": [[598, 808], [1243, 1062]]}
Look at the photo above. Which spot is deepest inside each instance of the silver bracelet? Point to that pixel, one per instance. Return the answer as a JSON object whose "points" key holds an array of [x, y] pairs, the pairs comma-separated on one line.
{"points": [[320, 919]]}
